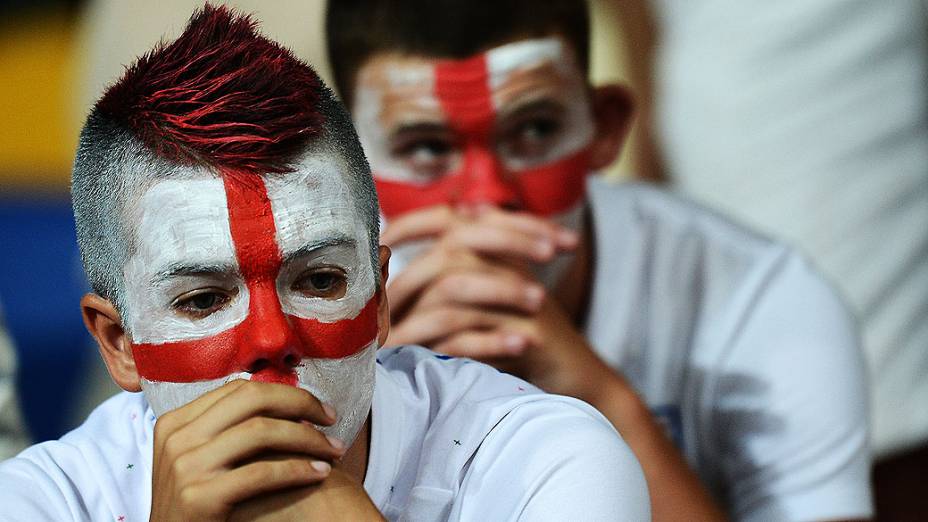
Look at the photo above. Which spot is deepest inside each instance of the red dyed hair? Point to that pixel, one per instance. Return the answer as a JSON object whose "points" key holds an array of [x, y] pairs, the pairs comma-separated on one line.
{"points": [[220, 95]]}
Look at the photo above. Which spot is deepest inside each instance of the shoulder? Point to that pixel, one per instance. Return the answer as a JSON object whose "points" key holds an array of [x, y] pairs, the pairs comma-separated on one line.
{"points": [[79, 473], [495, 446], [660, 212], [438, 377], [790, 390], [556, 459]]}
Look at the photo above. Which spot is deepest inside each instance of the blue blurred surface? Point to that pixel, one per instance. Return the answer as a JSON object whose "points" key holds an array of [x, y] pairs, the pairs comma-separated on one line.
{"points": [[41, 283]]}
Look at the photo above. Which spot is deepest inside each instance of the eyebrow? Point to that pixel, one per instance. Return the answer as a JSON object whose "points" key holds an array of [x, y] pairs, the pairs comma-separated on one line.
{"points": [[192, 269], [530, 106], [214, 269], [315, 246], [429, 127]]}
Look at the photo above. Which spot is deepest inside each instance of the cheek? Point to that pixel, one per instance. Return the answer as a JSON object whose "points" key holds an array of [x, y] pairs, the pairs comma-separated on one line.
{"points": [[346, 384]]}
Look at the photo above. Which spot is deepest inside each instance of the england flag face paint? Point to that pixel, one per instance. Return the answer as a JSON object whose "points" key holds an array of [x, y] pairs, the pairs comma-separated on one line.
{"points": [[266, 278], [511, 127]]}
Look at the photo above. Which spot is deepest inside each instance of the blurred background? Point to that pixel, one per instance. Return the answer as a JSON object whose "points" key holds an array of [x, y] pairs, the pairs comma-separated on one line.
{"points": [[806, 119]]}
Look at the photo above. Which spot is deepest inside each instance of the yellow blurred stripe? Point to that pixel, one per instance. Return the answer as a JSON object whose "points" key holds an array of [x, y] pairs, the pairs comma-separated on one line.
{"points": [[37, 142]]}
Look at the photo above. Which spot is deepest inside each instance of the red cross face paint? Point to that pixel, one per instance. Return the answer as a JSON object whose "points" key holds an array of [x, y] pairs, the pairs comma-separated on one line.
{"points": [[263, 278], [508, 127]]}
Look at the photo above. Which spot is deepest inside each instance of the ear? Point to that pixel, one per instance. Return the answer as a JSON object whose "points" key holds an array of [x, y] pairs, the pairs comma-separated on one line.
{"points": [[105, 325], [383, 308], [612, 110]]}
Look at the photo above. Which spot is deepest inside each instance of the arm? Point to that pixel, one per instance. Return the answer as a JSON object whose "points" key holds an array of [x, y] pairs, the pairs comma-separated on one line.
{"points": [[792, 393], [475, 311], [677, 492]]}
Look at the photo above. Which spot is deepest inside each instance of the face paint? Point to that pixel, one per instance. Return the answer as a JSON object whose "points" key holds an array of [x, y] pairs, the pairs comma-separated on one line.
{"points": [[260, 242], [511, 127], [481, 103]]}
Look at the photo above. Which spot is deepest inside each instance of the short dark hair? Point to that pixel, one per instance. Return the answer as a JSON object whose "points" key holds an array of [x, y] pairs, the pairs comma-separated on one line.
{"points": [[221, 97], [356, 30]]}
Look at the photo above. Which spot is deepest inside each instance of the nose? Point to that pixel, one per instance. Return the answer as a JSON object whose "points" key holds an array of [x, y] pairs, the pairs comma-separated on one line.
{"points": [[271, 345], [486, 179]]}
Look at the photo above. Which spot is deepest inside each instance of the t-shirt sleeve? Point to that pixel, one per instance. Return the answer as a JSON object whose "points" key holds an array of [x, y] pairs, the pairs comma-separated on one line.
{"points": [[792, 400], [550, 460]]}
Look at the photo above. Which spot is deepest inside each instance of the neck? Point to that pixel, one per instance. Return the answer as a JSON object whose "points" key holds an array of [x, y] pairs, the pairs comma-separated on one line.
{"points": [[573, 290]]}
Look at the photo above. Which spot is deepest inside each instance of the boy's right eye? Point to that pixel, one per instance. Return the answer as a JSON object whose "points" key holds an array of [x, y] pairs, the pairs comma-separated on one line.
{"points": [[427, 156], [202, 302]]}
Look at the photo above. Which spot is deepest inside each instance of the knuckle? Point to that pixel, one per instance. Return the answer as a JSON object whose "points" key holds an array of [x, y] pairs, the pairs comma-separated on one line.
{"points": [[189, 499], [259, 428], [182, 466], [173, 446], [166, 424], [447, 319], [296, 468], [267, 472]]}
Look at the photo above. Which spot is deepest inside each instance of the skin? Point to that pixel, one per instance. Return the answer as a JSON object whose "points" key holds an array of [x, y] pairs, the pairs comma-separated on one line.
{"points": [[247, 450], [472, 294]]}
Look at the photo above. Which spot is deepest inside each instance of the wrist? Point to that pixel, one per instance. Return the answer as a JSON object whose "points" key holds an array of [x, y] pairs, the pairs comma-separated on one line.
{"points": [[611, 394]]}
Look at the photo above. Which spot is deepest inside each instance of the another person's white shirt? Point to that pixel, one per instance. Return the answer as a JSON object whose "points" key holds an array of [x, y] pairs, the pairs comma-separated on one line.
{"points": [[13, 436], [808, 120], [451, 439], [739, 348]]}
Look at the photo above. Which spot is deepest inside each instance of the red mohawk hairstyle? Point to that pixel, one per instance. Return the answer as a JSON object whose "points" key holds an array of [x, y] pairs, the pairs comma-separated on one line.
{"points": [[220, 95]]}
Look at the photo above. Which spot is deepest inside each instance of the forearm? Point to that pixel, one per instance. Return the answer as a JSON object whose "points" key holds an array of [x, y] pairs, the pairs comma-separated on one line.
{"points": [[676, 492]]}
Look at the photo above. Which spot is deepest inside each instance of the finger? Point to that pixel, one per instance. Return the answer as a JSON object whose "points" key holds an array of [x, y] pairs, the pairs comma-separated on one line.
{"points": [[176, 419], [432, 326], [258, 435], [424, 269], [483, 345], [256, 478], [501, 242], [418, 224], [500, 289], [563, 237], [254, 399]]}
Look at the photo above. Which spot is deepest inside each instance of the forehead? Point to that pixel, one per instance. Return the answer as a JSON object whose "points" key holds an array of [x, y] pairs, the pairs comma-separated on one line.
{"points": [[187, 218], [406, 84]]}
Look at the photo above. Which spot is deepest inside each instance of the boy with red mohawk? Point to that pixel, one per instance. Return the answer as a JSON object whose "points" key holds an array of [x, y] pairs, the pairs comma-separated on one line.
{"points": [[228, 225], [723, 358]]}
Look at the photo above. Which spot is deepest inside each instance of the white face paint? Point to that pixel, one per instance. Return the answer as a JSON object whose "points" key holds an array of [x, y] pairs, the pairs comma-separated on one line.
{"points": [[540, 114], [529, 82], [184, 246]]}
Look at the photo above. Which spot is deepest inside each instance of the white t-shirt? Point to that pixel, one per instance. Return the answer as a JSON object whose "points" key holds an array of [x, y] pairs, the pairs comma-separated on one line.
{"points": [[451, 439], [739, 348], [808, 119]]}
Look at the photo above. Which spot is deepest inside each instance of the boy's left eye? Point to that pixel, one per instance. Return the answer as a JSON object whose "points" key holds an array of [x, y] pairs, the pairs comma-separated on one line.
{"points": [[202, 302], [327, 283], [532, 138]]}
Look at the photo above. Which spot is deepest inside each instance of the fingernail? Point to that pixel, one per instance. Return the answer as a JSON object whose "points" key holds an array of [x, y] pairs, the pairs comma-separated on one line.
{"points": [[329, 411], [544, 248], [534, 296], [335, 443], [321, 466], [568, 238], [514, 343]]}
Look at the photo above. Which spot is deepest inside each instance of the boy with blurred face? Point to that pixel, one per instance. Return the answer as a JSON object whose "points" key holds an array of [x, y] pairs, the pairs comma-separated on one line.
{"points": [[228, 225], [722, 358]]}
